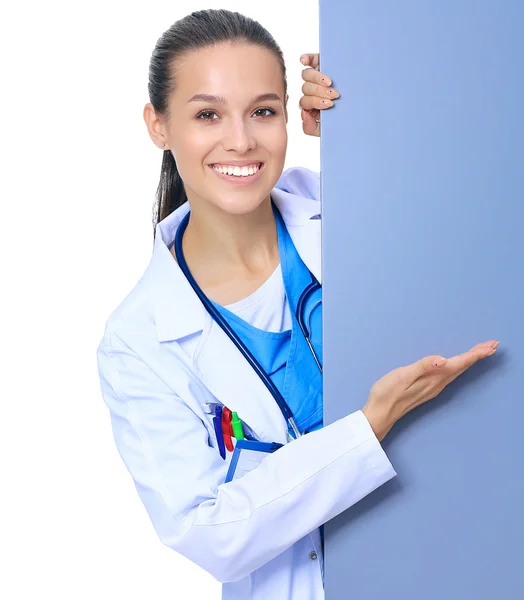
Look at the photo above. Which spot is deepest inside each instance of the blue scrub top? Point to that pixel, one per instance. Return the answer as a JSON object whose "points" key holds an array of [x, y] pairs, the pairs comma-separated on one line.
{"points": [[285, 356]]}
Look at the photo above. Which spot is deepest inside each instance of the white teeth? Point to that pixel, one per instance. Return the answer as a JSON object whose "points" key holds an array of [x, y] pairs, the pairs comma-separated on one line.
{"points": [[237, 171]]}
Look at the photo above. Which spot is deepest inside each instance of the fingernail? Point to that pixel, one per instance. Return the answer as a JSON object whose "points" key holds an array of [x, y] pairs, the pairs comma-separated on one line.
{"points": [[496, 344], [325, 81], [492, 352], [440, 362], [327, 102], [303, 60]]}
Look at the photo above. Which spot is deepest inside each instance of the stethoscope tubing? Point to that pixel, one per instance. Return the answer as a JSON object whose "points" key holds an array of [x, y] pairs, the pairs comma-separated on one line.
{"points": [[310, 289]]}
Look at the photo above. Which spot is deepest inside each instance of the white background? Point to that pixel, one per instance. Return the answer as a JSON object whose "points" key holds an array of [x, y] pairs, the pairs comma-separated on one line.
{"points": [[78, 178]]}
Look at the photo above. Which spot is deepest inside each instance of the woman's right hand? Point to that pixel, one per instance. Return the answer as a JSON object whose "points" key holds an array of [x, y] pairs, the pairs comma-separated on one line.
{"points": [[405, 388]]}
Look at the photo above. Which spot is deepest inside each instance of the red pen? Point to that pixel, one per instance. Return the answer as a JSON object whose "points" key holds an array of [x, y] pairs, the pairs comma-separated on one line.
{"points": [[227, 428]]}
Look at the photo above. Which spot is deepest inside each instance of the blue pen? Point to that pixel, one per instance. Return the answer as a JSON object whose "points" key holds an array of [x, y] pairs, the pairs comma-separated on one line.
{"points": [[217, 423]]}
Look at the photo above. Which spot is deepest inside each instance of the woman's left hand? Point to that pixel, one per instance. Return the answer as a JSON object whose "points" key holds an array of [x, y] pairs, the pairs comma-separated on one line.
{"points": [[318, 94]]}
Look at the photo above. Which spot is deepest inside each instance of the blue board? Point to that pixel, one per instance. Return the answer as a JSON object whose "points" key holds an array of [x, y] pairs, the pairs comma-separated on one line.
{"points": [[422, 161]]}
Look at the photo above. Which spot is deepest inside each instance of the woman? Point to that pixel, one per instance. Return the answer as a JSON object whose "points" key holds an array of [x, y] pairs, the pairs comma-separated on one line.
{"points": [[244, 252]]}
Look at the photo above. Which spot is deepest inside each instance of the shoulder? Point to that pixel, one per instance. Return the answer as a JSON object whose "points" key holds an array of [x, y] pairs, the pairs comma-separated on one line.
{"points": [[132, 316], [297, 196], [300, 181]]}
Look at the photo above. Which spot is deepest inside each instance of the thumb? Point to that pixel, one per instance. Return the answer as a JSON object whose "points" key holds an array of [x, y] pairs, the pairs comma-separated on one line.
{"points": [[430, 363], [309, 123]]}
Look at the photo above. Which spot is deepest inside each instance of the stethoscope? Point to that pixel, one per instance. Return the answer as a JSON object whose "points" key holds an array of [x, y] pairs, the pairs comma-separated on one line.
{"points": [[219, 319]]}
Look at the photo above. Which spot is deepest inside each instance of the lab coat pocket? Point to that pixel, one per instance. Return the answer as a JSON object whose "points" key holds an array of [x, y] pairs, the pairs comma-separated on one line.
{"points": [[209, 411]]}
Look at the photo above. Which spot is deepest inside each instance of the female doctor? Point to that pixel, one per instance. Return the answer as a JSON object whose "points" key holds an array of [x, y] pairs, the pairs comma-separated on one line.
{"points": [[236, 244]]}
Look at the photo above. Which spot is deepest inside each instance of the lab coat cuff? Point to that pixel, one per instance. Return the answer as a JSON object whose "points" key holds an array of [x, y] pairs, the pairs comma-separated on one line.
{"points": [[377, 459]]}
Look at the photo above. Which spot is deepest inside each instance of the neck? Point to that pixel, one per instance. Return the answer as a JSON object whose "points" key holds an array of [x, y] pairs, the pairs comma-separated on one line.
{"points": [[220, 246]]}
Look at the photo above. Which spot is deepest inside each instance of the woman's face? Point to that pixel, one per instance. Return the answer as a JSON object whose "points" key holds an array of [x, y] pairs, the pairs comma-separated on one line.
{"points": [[244, 128]]}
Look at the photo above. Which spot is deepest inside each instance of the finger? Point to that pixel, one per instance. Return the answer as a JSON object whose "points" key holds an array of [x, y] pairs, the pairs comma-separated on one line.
{"points": [[460, 363], [316, 77], [310, 60], [478, 351], [455, 374], [313, 89], [313, 102], [310, 126], [457, 365]]}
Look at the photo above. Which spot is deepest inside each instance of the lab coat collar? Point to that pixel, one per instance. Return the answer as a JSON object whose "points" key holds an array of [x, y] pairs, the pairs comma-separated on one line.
{"points": [[177, 310]]}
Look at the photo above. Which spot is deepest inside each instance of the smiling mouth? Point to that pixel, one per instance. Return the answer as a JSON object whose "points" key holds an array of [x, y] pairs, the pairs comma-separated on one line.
{"points": [[241, 172]]}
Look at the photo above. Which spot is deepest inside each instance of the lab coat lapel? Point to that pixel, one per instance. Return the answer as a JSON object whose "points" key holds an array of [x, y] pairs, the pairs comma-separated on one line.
{"points": [[231, 379]]}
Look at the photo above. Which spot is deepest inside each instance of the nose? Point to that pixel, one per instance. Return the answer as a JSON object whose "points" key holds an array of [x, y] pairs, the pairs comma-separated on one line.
{"points": [[239, 136]]}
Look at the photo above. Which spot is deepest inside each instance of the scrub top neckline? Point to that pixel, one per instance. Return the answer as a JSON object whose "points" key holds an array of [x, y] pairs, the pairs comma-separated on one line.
{"points": [[255, 296]]}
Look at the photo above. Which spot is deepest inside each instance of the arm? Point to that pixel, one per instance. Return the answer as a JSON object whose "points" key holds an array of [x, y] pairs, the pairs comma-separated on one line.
{"points": [[230, 529]]}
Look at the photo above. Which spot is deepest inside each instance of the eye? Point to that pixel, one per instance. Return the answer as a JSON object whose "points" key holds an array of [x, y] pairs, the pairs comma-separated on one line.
{"points": [[262, 109], [206, 112]]}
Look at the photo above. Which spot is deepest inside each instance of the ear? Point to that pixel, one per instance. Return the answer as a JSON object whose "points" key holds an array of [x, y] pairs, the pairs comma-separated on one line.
{"points": [[285, 106], [155, 126]]}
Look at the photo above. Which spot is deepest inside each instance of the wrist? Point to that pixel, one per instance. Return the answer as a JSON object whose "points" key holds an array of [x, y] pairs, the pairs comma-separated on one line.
{"points": [[380, 420]]}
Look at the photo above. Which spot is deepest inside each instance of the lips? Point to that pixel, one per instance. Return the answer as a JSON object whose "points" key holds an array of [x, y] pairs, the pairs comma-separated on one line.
{"points": [[239, 180]]}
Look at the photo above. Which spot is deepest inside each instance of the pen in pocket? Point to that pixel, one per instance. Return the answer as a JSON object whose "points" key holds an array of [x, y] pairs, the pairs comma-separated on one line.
{"points": [[227, 429], [217, 423]]}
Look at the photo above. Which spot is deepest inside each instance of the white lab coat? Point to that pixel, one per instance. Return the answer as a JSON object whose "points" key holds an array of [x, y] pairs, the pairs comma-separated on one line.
{"points": [[162, 358]]}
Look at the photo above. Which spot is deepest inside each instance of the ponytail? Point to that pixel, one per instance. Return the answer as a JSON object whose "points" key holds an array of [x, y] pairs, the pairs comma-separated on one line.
{"points": [[170, 193]]}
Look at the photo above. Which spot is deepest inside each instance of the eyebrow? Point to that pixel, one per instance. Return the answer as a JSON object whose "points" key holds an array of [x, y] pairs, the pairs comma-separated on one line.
{"points": [[221, 100]]}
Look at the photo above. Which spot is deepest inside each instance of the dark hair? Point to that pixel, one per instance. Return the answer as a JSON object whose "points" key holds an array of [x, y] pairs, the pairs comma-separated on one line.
{"points": [[198, 30]]}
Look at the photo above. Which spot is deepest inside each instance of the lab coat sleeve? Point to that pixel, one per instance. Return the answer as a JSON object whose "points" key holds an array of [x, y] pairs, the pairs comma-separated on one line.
{"points": [[230, 529]]}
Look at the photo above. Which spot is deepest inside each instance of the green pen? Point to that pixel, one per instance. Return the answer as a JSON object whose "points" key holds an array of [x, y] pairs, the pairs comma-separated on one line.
{"points": [[236, 424]]}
